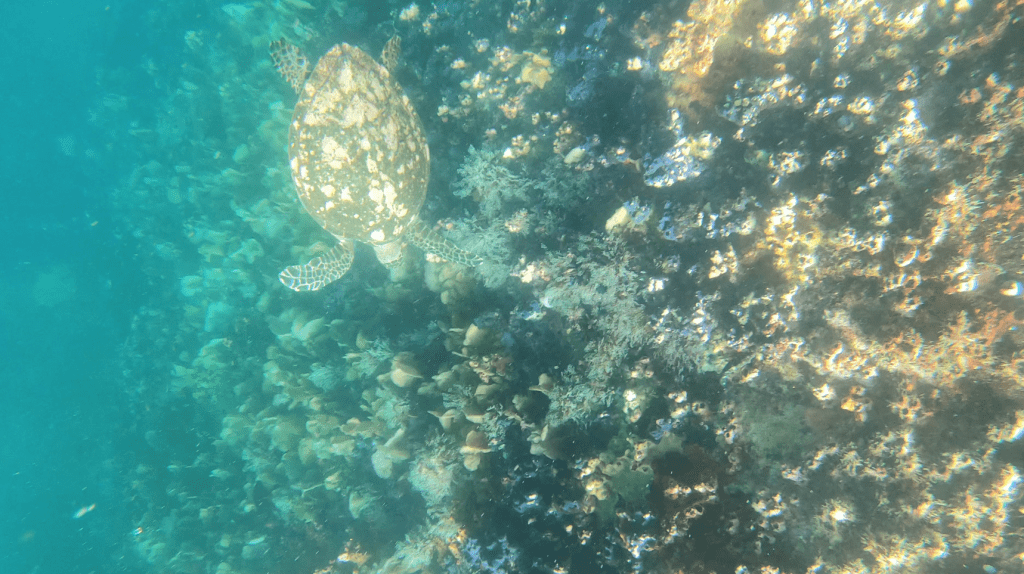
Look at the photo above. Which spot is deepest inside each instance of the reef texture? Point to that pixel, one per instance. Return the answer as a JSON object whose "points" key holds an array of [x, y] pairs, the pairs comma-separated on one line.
{"points": [[751, 297]]}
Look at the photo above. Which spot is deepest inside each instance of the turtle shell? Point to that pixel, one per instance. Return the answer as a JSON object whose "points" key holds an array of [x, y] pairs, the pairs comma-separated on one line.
{"points": [[358, 155]]}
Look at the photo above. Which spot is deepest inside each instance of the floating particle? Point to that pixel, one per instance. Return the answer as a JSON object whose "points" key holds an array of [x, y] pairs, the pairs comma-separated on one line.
{"points": [[83, 511]]}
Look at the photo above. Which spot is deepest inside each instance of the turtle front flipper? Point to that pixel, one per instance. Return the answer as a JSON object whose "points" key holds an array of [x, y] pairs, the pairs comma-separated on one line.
{"points": [[290, 62], [424, 237], [320, 271]]}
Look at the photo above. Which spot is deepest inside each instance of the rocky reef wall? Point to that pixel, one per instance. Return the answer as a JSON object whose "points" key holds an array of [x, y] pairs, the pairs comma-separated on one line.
{"points": [[750, 299]]}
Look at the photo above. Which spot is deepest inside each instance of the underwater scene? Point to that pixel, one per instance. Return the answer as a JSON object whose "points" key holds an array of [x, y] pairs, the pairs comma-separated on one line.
{"points": [[518, 286]]}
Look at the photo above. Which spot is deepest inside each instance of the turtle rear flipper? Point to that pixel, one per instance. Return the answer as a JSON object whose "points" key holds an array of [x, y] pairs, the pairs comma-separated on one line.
{"points": [[321, 270], [424, 237], [290, 62], [390, 54]]}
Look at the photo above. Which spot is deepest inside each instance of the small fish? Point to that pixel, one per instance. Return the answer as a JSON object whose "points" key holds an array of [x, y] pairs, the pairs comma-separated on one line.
{"points": [[83, 511]]}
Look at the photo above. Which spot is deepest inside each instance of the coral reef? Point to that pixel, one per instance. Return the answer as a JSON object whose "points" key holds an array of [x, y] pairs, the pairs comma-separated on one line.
{"points": [[779, 332]]}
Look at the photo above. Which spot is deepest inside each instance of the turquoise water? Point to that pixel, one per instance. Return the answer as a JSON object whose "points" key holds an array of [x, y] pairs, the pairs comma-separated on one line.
{"points": [[706, 287], [64, 415]]}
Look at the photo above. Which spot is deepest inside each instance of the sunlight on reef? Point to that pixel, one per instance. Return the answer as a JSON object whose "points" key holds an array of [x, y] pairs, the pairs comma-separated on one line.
{"points": [[750, 299]]}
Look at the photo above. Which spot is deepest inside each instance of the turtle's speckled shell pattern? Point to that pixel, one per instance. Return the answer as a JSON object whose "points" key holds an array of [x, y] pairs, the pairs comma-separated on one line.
{"points": [[358, 154]]}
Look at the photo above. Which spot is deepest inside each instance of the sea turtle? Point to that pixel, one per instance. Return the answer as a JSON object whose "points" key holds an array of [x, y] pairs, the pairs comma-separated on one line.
{"points": [[359, 161]]}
